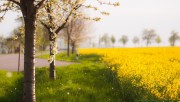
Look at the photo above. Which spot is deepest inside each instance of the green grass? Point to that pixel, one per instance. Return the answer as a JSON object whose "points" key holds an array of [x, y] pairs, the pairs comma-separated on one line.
{"points": [[72, 58], [60, 56], [88, 81], [92, 81], [78, 83], [11, 86]]}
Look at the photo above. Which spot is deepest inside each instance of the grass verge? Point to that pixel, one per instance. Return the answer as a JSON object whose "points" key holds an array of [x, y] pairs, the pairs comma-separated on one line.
{"points": [[89, 81], [72, 57]]}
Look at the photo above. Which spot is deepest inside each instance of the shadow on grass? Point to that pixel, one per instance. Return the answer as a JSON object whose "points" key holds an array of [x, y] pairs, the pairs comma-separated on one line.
{"points": [[90, 58], [131, 93]]}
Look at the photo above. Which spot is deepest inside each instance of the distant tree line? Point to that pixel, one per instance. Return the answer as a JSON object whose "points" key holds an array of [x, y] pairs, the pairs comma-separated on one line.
{"points": [[148, 36]]}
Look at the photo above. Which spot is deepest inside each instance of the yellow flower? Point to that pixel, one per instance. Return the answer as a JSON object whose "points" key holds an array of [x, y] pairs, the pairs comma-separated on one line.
{"points": [[113, 69], [154, 69]]}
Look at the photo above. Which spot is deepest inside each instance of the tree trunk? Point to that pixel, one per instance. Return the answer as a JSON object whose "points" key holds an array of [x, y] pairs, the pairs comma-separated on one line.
{"points": [[19, 57], [29, 13], [147, 43], [73, 48], [12, 45], [68, 46], [173, 44], [52, 64], [52, 40]]}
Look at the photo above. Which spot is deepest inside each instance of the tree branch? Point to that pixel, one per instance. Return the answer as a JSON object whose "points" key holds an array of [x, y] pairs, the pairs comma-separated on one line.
{"points": [[45, 25], [63, 25], [108, 3], [40, 4], [4, 11], [14, 1]]}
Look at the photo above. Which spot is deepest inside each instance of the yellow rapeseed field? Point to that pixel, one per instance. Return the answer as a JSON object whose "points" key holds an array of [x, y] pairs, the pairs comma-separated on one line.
{"points": [[153, 72]]}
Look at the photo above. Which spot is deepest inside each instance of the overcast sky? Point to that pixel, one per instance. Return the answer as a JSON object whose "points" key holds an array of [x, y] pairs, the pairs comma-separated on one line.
{"points": [[130, 18]]}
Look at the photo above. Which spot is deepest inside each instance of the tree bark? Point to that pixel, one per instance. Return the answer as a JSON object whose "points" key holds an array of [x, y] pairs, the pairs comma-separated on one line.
{"points": [[73, 48], [29, 13], [29, 62], [52, 68], [51, 28]]}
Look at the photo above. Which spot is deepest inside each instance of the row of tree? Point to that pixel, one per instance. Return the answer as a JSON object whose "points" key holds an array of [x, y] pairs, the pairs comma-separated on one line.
{"points": [[73, 34], [148, 36], [53, 15]]}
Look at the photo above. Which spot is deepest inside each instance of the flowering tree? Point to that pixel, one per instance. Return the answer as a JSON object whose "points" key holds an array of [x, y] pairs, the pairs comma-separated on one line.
{"points": [[77, 32], [57, 14], [30, 12]]}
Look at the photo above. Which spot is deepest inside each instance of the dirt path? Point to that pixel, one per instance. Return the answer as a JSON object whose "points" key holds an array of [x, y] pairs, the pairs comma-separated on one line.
{"points": [[9, 62]]}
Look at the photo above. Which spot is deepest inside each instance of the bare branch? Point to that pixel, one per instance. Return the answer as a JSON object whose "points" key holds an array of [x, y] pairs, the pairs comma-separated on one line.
{"points": [[108, 3]]}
